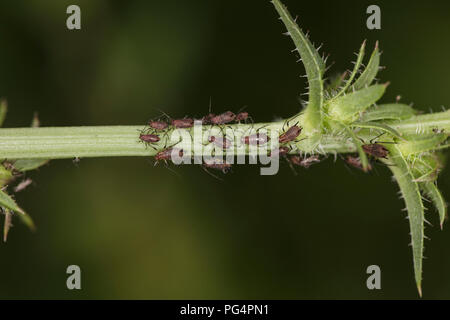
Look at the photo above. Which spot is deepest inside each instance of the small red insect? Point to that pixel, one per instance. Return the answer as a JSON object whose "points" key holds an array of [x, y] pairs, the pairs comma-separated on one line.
{"points": [[291, 134], [149, 138], [297, 160], [241, 116], [309, 161], [223, 118], [281, 151], [217, 165], [304, 162], [207, 119], [356, 162], [183, 123], [22, 185], [255, 139], [376, 150], [158, 125], [221, 142], [167, 154]]}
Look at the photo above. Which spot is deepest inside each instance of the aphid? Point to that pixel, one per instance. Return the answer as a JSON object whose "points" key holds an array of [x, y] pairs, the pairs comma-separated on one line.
{"points": [[437, 130], [309, 161], [158, 125], [376, 150], [297, 160], [22, 185], [223, 118], [207, 119], [241, 116], [304, 162], [76, 161], [183, 123], [149, 138], [218, 165], [291, 134], [281, 151], [221, 142], [356, 162], [167, 154], [35, 123], [255, 139]]}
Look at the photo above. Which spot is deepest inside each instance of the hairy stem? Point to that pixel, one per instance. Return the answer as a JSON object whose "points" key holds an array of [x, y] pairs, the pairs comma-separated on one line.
{"points": [[108, 141]]}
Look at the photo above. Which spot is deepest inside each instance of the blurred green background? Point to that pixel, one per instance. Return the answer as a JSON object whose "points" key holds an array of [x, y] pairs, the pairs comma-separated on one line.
{"points": [[142, 232]]}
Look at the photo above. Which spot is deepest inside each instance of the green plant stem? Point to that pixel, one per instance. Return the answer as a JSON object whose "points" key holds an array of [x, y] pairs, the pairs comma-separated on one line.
{"points": [[109, 141], [424, 123]]}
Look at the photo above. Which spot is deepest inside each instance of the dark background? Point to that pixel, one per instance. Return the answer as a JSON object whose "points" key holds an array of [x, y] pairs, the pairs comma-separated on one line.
{"points": [[139, 231]]}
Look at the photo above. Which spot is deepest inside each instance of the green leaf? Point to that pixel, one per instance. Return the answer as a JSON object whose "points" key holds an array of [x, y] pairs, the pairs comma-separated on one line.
{"points": [[348, 108], [314, 66], [444, 146], [425, 167], [370, 72], [421, 144], [3, 110], [7, 202], [335, 83], [413, 199], [432, 192], [310, 145], [5, 175], [28, 164], [426, 123], [355, 71], [378, 126], [393, 111], [28, 221]]}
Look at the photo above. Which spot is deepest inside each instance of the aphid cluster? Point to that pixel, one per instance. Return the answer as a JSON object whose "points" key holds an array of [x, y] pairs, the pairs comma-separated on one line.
{"points": [[155, 129], [151, 135]]}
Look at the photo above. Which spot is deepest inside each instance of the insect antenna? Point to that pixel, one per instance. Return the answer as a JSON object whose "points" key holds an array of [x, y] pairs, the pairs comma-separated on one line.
{"points": [[241, 109], [292, 167], [164, 114], [387, 142], [210, 104], [166, 165], [211, 174]]}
